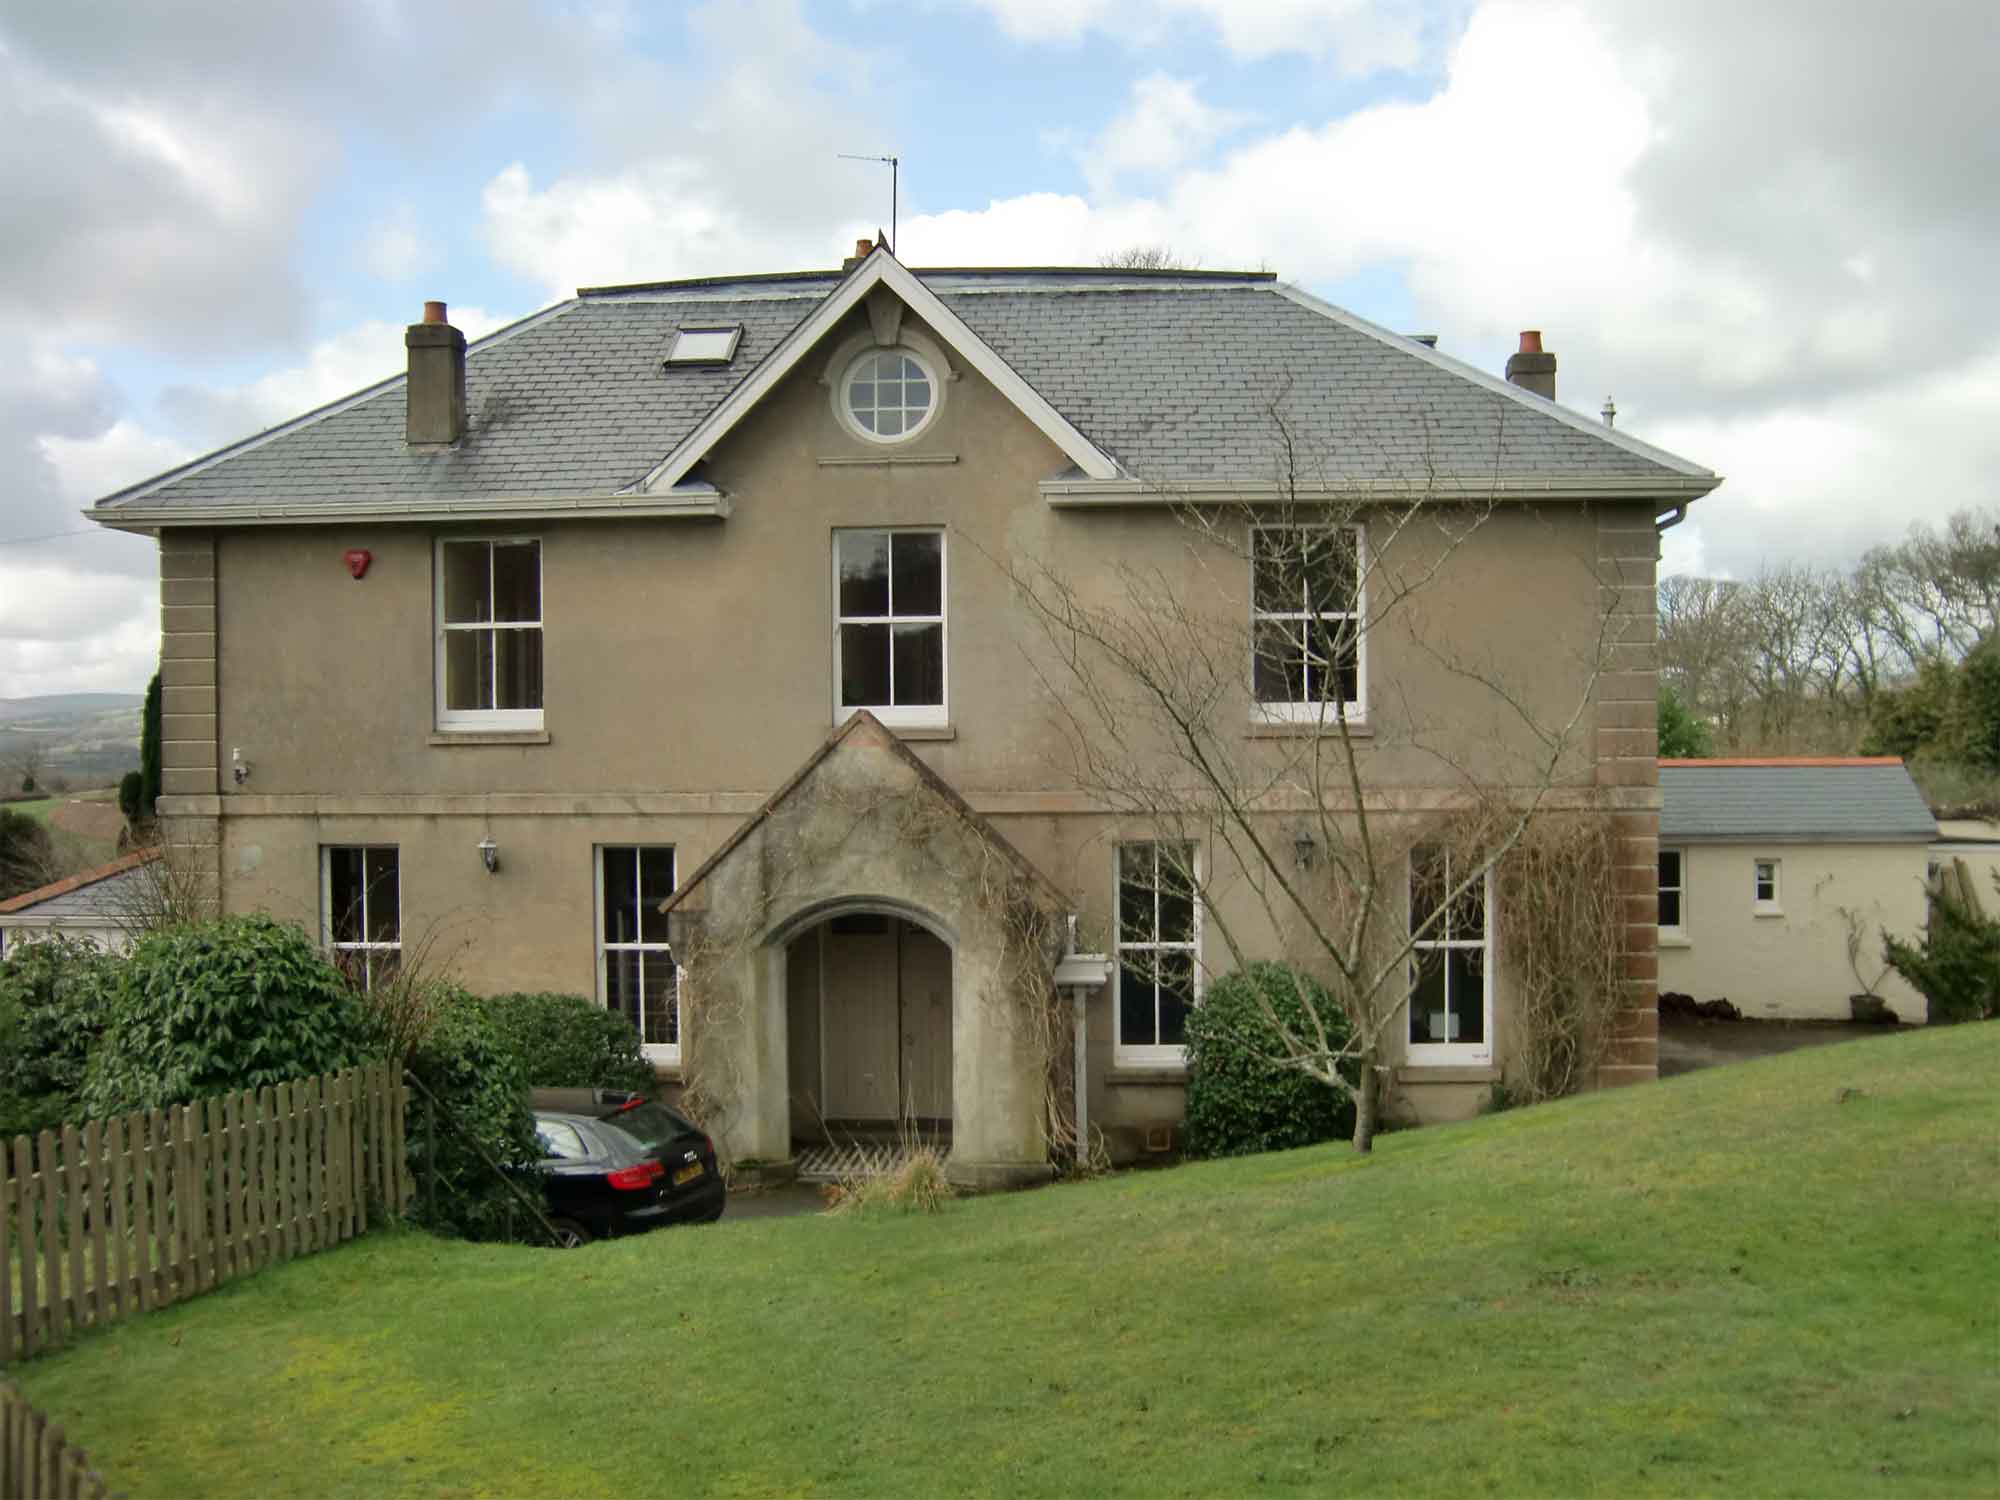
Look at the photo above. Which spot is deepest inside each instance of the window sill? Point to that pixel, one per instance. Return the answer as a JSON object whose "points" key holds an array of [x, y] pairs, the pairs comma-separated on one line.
{"points": [[489, 737], [924, 731], [1330, 729], [666, 1072], [1768, 911], [1675, 940], [1446, 1073], [1162, 1075]]}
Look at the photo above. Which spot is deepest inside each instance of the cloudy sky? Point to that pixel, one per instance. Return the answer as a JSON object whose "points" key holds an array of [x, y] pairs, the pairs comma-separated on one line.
{"points": [[1768, 228]]}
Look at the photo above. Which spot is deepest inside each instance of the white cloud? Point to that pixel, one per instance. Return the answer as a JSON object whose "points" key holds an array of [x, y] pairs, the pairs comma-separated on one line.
{"points": [[88, 469], [63, 631], [1165, 127], [1359, 36], [398, 248]]}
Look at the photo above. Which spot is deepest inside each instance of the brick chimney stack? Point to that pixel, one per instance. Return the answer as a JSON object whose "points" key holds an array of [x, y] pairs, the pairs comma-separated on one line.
{"points": [[862, 250], [436, 387], [1530, 368]]}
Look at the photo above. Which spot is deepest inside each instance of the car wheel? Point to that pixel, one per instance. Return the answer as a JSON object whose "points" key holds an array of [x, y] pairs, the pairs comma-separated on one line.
{"points": [[570, 1234]]}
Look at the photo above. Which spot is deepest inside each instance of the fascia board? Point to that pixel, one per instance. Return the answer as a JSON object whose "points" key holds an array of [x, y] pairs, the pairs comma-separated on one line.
{"points": [[709, 504], [880, 268], [1500, 386], [1083, 494]]}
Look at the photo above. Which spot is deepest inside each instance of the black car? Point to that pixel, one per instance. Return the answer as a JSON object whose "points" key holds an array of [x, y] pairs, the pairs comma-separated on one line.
{"points": [[618, 1163]]}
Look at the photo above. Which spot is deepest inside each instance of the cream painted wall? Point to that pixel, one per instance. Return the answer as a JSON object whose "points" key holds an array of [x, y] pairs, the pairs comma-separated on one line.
{"points": [[1793, 965], [689, 671]]}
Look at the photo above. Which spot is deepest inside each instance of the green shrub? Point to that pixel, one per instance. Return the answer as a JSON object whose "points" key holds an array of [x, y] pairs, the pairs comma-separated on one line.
{"points": [[470, 1066], [54, 997], [234, 1003], [1957, 966], [1239, 1103], [149, 751], [566, 1041], [131, 786]]}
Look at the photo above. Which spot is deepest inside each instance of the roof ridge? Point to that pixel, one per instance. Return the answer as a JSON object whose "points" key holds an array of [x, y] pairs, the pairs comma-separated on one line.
{"points": [[1638, 447], [79, 881], [1821, 761]]}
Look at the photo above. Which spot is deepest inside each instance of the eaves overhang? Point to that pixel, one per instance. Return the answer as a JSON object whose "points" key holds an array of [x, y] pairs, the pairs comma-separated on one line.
{"points": [[1081, 493], [684, 503]]}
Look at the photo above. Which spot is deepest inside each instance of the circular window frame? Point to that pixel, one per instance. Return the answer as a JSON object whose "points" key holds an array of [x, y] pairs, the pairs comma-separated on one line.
{"points": [[850, 366]]}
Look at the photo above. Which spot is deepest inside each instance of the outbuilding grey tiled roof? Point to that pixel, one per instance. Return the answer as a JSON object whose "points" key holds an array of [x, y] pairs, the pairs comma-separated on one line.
{"points": [[91, 897], [1858, 801], [1174, 377]]}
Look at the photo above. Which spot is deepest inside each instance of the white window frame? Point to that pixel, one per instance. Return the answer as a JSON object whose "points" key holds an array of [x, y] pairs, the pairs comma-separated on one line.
{"points": [[515, 720], [1155, 1055], [852, 369], [365, 948], [913, 716], [668, 1053], [1456, 1054], [1675, 931], [1761, 905], [1328, 712]]}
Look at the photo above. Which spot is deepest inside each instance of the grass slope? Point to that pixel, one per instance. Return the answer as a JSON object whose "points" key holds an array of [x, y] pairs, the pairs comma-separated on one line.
{"points": [[1747, 1281]]}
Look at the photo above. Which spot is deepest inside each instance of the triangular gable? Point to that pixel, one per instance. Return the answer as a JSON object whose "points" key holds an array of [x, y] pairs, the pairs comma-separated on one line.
{"points": [[880, 268], [863, 728]]}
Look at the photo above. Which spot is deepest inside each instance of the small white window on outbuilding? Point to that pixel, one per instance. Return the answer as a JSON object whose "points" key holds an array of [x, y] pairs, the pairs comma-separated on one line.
{"points": [[704, 346]]}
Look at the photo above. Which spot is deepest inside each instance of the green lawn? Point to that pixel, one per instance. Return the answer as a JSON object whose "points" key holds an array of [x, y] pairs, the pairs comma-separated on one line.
{"points": [[1750, 1281], [39, 809]]}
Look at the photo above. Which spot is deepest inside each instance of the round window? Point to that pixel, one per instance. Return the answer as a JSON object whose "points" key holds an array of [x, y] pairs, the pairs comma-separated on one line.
{"points": [[888, 395]]}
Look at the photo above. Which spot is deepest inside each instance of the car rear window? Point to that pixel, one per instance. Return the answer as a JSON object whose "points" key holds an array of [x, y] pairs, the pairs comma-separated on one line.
{"points": [[649, 1124]]}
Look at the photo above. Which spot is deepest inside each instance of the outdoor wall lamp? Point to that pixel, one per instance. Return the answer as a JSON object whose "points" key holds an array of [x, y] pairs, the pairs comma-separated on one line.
{"points": [[1303, 849], [489, 855], [239, 768]]}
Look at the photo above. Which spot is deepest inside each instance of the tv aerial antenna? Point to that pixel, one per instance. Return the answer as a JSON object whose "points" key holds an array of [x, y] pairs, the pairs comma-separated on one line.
{"points": [[894, 169]]}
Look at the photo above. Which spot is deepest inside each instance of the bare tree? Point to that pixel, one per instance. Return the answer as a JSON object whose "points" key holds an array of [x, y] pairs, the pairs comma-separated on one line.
{"points": [[1146, 680], [26, 757], [1147, 258]]}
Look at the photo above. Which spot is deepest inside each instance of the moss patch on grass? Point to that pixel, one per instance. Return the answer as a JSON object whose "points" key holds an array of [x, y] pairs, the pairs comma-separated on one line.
{"points": [[1750, 1280]]}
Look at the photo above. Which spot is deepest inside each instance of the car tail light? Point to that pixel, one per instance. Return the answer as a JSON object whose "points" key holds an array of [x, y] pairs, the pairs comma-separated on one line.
{"points": [[644, 1175], [708, 1145]]}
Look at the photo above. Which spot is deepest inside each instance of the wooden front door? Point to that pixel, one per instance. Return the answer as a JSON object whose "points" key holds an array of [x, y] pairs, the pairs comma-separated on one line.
{"points": [[885, 1020]]}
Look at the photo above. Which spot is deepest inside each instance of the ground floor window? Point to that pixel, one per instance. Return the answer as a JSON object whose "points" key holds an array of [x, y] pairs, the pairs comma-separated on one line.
{"points": [[361, 910], [1451, 961], [636, 974], [1765, 878], [1158, 940], [1673, 893]]}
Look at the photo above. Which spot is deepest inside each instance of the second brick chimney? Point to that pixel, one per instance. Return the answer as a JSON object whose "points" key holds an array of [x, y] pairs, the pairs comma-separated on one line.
{"points": [[1530, 368], [436, 413]]}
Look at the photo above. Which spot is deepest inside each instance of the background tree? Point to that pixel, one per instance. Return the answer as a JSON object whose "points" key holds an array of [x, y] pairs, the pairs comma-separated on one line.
{"points": [[25, 761], [149, 751], [1682, 735], [1147, 258], [27, 854]]}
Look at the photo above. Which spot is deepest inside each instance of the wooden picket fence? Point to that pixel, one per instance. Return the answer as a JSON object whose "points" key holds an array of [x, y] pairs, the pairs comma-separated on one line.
{"points": [[36, 1461], [138, 1212]]}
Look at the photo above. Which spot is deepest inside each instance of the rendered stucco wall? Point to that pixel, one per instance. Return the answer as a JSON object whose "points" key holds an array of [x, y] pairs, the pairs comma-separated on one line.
{"points": [[1793, 965]]}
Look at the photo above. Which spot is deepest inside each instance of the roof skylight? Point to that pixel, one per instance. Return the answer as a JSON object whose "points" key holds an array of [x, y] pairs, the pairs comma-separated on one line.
{"points": [[705, 346]]}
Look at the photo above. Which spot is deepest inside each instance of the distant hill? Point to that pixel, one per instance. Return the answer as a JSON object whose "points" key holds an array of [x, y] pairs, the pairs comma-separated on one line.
{"points": [[60, 705], [84, 739]]}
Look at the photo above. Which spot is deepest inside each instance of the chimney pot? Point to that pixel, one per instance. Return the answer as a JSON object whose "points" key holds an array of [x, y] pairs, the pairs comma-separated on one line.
{"points": [[1532, 368], [434, 393], [863, 248]]}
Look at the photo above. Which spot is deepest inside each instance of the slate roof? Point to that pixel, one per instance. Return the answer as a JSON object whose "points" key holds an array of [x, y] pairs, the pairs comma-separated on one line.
{"points": [[1172, 375], [106, 893], [1861, 800]]}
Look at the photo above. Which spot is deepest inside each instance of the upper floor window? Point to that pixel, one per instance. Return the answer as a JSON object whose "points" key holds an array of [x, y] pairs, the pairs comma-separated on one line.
{"points": [[1451, 961], [888, 395], [1673, 894], [1307, 646], [889, 638], [636, 973], [489, 633], [361, 910], [1159, 942]]}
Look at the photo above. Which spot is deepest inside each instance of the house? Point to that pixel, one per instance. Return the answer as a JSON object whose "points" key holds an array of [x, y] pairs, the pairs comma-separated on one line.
{"points": [[1767, 867], [102, 906], [698, 593]]}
